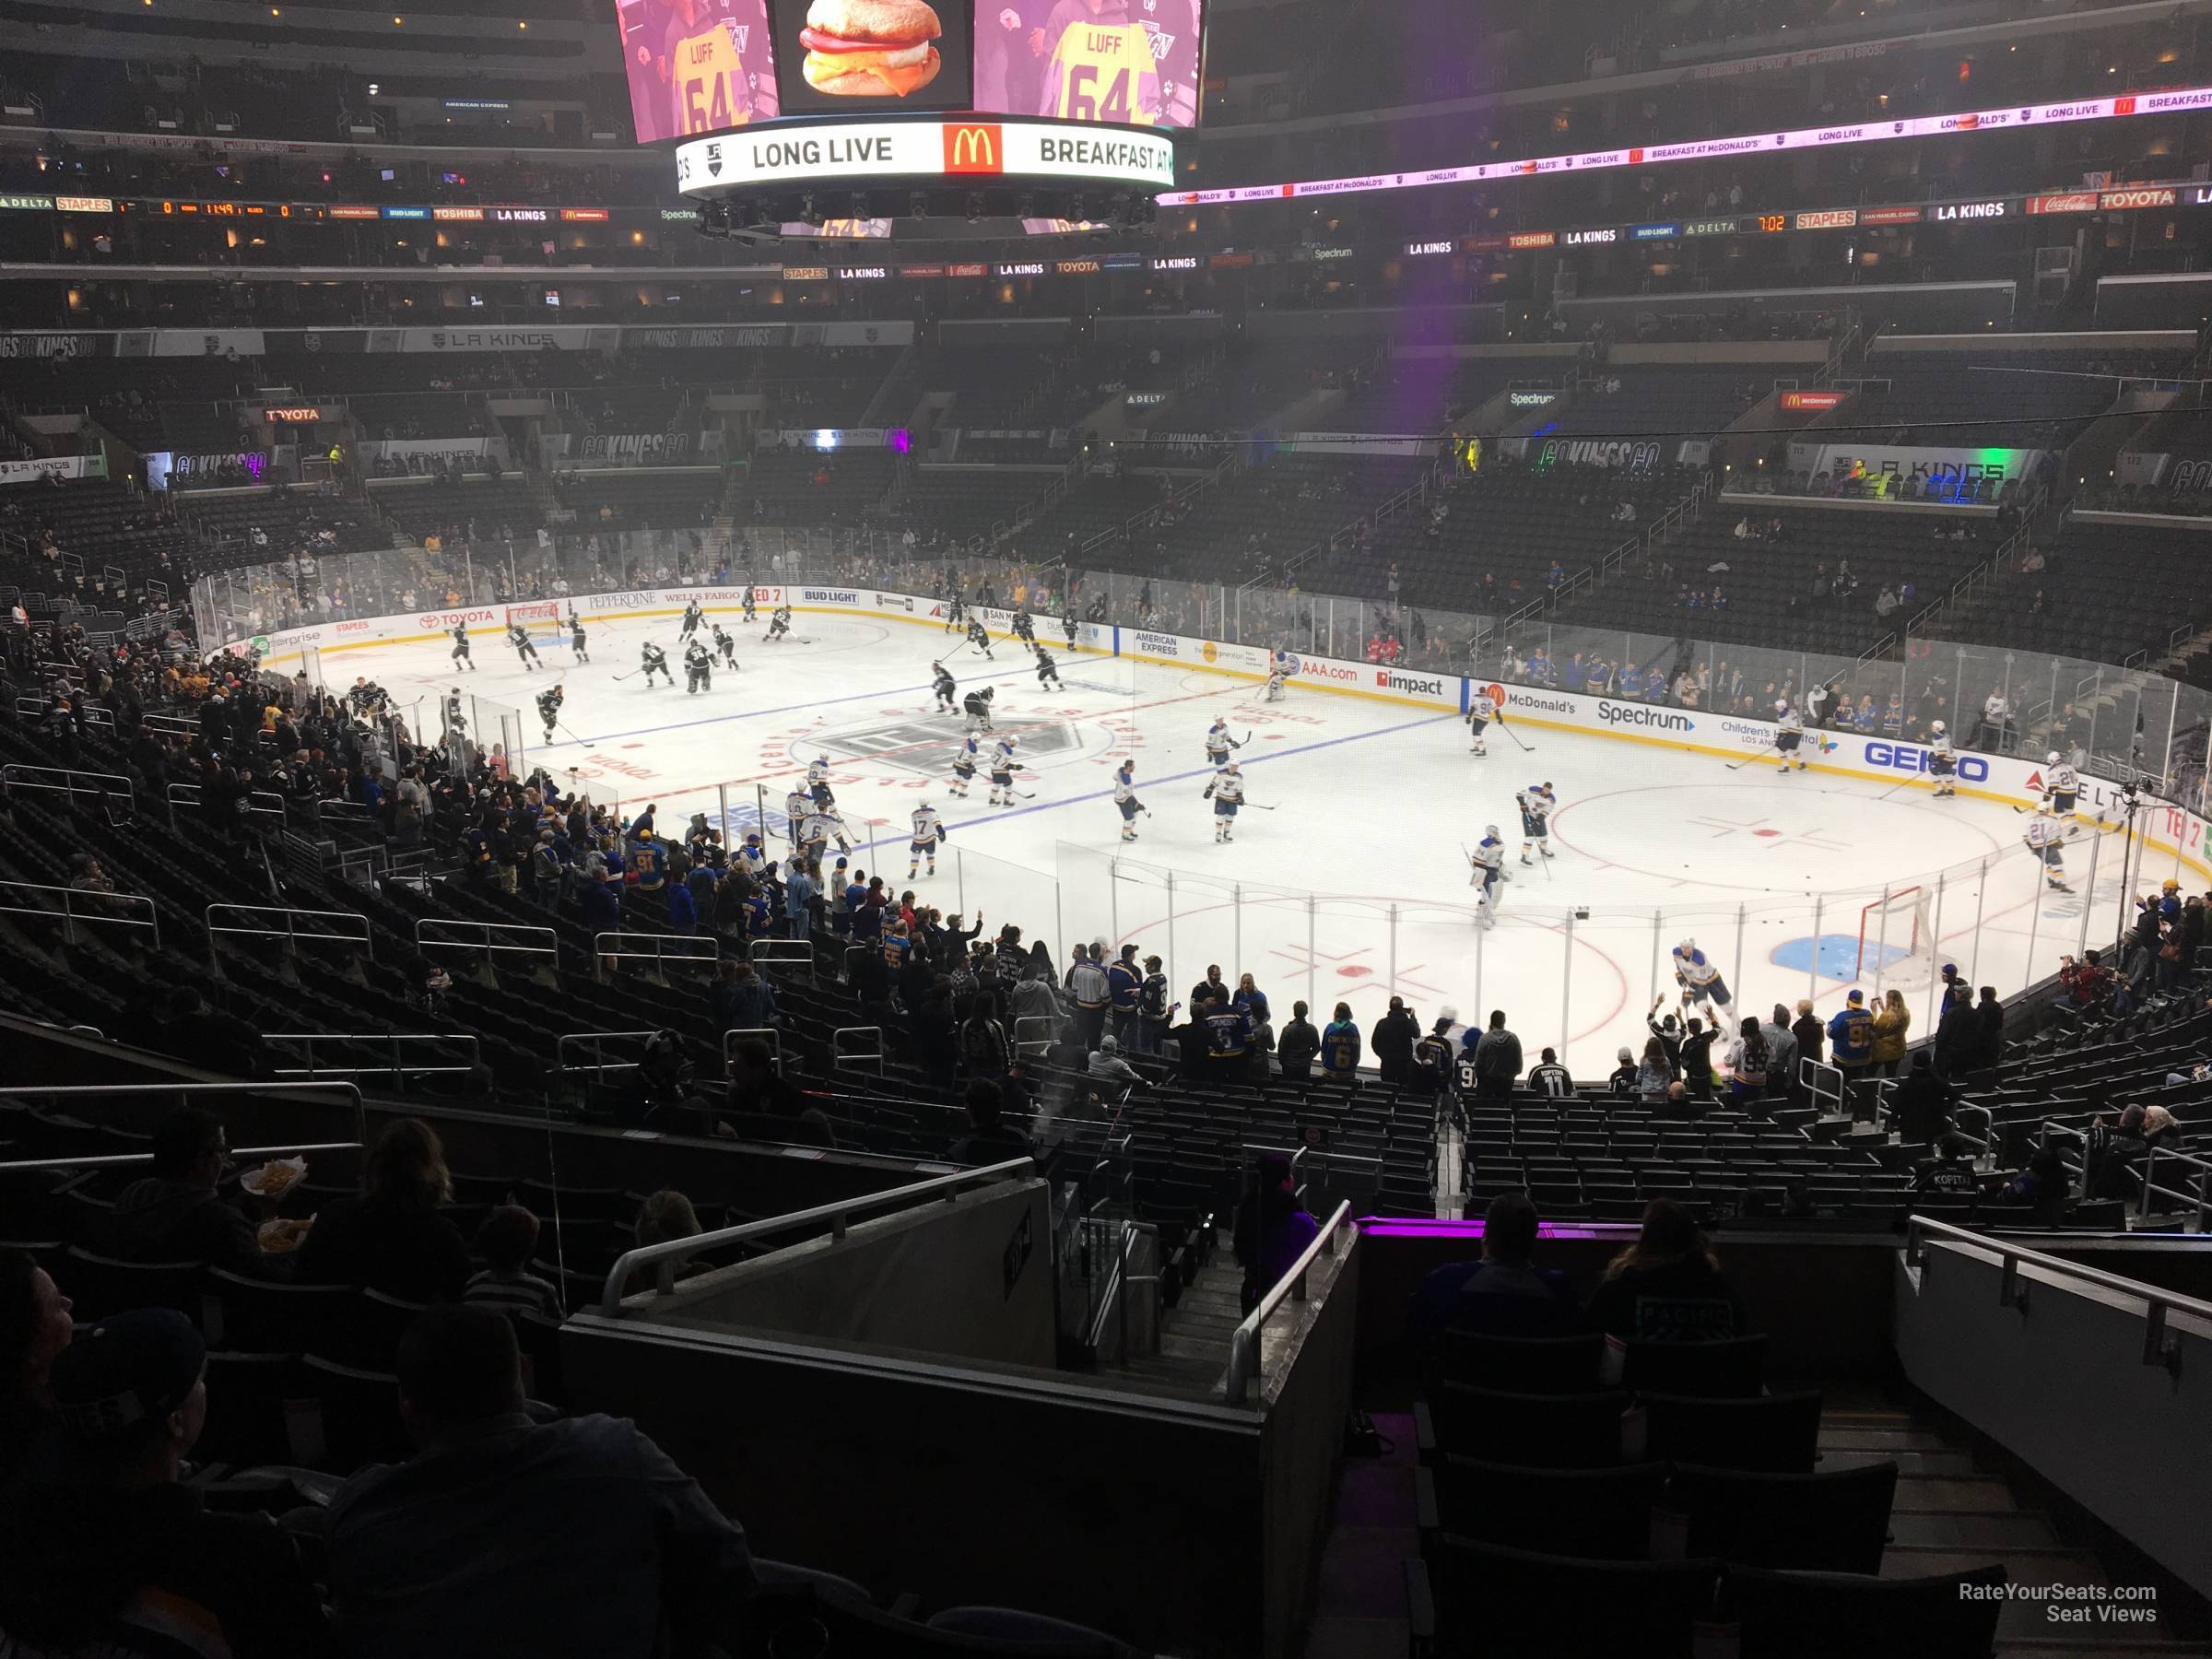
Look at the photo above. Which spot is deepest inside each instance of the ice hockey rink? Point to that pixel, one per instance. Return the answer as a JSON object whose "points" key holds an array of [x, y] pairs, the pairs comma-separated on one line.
{"points": [[1347, 879]]}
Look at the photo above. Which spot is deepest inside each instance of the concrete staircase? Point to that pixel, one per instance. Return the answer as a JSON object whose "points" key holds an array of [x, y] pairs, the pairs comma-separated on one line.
{"points": [[1951, 1514], [1193, 1340]]}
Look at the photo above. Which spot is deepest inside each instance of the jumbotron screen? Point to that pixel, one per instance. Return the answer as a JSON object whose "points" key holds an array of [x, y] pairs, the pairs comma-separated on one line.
{"points": [[700, 66]]}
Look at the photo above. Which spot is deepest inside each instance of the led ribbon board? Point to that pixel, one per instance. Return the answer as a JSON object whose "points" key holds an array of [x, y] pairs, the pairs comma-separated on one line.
{"points": [[921, 149]]}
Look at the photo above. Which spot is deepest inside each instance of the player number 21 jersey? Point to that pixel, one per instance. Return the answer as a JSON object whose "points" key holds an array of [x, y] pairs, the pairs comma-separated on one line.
{"points": [[1103, 72], [708, 79]]}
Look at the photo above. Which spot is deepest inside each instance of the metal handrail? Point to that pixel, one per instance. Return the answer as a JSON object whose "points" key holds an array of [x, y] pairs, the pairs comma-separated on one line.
{"points": [[838, 1057], [597, 1039], [2156, 1303], [396, 1070], [481, 937], [731, 1038], [289, 931], [78, 1092], [115, 1161], [2202, 1197], [669, 1253], [696, 948], [71, 915], [1244, 1341], [16, 776]]}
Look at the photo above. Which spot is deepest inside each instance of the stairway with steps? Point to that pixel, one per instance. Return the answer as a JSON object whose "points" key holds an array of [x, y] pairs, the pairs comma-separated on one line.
{"points": [[1950, 1515], [1194, 1338]]}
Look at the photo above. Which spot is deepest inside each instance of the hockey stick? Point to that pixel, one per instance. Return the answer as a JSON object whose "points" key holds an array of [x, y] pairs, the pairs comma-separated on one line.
{"points": [[1247, 738], [1259, 806], [565, 726], [1763, 754], [1526, 749]]}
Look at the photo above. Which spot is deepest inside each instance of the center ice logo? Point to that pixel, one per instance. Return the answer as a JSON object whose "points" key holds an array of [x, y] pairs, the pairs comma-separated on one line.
{"points": [[926, 743]]}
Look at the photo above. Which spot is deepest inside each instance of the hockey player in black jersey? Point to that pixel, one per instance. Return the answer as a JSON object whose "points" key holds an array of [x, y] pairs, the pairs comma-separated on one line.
{"points": [[653, 660], [977, 707], [698, 669], [752, 613], [779, 625], [726, 647], [941, 682], [1048, 671], [1024, 628], [548, 709], [981, 639], [576, 639], [526, 652], [693, 616], [461, 647]]}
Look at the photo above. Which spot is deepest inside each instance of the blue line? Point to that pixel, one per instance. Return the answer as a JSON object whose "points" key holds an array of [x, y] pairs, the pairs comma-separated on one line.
{"points": [[1203, 771], [757, 714]]}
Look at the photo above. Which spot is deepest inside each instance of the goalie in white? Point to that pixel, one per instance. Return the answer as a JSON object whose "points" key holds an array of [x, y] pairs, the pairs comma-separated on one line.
{"points": [[1278, 670], [1487, 871], [1700, 977]]}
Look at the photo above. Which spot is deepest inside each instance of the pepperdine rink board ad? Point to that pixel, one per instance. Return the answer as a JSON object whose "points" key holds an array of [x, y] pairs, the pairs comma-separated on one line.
{"points": [[2016, 779]]}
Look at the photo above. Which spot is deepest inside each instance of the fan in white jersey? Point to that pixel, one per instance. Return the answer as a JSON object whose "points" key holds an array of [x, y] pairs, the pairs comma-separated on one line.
{"points": [[1125, 798], [1537, 803], [1943, 761], [1789, 732], [1701, 980], [1482, 708], [752, 858], [929, 829], [1227, 791], [2061, 786], [2046, 837], [1487, 872]]}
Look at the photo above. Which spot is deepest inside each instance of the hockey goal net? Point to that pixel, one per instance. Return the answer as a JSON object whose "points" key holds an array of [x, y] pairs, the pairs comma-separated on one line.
{"points": [[541, 620], [1896, 939]]}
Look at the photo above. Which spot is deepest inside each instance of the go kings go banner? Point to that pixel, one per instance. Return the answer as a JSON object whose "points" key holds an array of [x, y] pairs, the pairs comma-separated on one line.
{"points": [[698, 67]]}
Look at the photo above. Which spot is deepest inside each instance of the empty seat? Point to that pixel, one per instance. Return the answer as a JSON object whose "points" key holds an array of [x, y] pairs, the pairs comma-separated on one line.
{"points": [[1848, 1616], [1730, 1368], [1832, 1522], [355, 1416], [1552, 1431], [1489, 1600], [102, 1285], [1525, 1364], [273, 1316], [1602, 1513], [1773, 1432]]}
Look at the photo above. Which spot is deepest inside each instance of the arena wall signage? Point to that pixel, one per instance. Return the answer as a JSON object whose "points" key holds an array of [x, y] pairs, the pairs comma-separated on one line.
{"points": [[54, 466], [2171, 830], [2018, 116], [1966, 466], [917, 150]]}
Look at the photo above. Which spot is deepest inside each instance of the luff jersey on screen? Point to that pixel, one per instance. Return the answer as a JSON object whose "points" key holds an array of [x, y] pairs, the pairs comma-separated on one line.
{"points": [[1100, 66], [707, 77]]}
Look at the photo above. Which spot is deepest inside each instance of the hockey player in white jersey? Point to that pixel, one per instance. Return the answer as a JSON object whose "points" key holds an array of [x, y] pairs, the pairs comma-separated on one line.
{"points": [[2046, 837], [1218, 743], [1482, 708], [1227, 791], [1789, 732], [1702, 986], [1003, 768], [1943, 761], [1487, 871], [929, 829], [1125, 798], [797, 804], [1537, 803], [964, 765], [1278, 671], [818, 776], [2061, 786]]}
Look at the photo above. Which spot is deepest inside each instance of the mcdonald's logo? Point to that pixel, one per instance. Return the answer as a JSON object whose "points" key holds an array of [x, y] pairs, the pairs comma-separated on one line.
{"points": [[974, 147]]}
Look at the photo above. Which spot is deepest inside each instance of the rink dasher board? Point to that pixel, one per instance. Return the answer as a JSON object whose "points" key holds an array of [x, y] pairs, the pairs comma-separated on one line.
{"points": [[2014, 781]]}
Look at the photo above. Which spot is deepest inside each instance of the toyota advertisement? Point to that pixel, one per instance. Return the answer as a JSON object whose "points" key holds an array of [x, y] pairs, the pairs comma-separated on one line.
{"points": [[701, 66]]}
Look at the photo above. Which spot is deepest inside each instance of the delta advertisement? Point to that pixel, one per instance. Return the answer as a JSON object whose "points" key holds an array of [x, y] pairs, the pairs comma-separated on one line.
{"points": [[2006, 778]]}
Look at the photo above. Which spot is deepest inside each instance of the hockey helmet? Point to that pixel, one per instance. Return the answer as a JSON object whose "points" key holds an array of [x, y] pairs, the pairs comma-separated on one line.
{"points": [[1491, 829], [1936, 726], [1781, 705], [2051, 759], [1229, 766]]}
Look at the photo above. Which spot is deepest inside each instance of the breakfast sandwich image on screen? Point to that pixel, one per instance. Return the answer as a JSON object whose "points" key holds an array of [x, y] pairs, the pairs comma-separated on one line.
{"points": [[871, 48]]}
